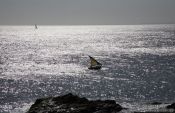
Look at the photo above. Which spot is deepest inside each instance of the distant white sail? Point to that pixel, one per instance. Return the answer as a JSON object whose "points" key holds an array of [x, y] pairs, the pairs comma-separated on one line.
{"points": [[94, 64], [36, 26]]}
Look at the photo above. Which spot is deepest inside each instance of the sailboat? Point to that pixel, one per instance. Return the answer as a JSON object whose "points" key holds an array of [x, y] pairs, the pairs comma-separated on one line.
{"points": [[36, 26], [94, 64]]}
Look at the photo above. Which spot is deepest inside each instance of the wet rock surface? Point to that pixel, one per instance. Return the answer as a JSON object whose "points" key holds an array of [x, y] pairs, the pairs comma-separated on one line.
{"points": [[73, 104]]}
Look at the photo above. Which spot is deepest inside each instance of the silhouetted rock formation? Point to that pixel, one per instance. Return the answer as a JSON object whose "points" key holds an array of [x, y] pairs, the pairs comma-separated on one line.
{"points": [[172, 106], [73, 104], [155, 103]]}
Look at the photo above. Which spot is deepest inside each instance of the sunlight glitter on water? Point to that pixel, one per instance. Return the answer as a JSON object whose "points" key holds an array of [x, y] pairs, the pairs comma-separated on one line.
{"points": [[53, 60]]}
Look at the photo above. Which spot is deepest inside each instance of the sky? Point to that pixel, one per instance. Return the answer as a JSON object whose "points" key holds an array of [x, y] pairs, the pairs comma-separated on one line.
{"points": [[86, 12]]}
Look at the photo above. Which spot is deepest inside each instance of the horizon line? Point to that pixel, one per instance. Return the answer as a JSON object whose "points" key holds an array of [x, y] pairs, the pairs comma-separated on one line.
{"points": [[81, 24]]}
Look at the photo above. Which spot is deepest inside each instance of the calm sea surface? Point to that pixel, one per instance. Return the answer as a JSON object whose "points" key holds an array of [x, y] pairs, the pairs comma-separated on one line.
{"points": [[138, 64]]}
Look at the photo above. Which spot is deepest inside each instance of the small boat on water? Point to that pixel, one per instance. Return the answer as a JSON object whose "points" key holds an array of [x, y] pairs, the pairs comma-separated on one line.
{"points": [[94, 64], [36, 26]]}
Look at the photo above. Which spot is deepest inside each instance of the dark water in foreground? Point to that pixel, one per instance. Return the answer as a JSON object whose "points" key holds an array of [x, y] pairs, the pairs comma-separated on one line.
{"points": [[138, 64]]}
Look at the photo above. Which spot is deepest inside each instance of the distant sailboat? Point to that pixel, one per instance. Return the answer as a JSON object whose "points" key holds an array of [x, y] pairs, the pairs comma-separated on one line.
{"points": [[36, 26], [95, 65]]}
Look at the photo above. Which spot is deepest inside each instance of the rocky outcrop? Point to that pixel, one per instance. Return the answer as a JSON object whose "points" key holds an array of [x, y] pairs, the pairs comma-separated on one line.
{"points": [[172, 106], [73, 104], [155, 103]]}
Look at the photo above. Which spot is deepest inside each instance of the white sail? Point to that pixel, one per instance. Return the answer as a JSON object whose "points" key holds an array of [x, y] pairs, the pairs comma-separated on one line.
{"points": [[36, 26]]}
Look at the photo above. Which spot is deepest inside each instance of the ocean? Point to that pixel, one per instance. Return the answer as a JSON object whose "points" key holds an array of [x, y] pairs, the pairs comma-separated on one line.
{"points": [[138, 64]]}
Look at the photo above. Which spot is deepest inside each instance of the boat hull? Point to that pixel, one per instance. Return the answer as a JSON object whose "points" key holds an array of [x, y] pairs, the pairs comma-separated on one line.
{"points": [[95, 68]]}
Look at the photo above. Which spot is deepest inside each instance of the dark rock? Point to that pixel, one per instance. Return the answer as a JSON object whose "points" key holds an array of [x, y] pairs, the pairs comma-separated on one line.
{"points": [[172, 106], [156, 103], [73, 104], [68, 99]]}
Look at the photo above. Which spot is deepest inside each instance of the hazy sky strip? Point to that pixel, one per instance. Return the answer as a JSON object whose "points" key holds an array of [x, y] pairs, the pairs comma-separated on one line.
{"points": [[86, 12]]}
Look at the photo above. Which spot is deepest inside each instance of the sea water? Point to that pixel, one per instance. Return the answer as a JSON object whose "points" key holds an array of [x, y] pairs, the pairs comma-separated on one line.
{"points": [[138, 64]]}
